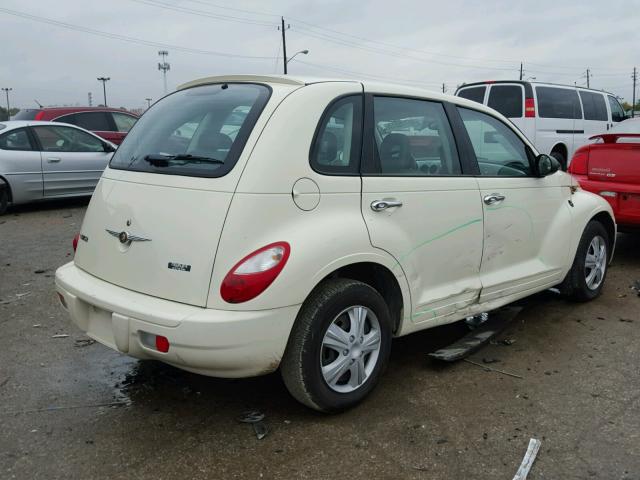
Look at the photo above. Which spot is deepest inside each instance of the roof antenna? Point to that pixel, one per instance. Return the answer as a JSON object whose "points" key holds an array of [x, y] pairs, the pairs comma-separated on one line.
{"points": [[38, 103]]}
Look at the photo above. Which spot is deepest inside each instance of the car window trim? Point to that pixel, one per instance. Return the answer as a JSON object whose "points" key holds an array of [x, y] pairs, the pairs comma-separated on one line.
{"points": [[529, 151], [370, 167]]}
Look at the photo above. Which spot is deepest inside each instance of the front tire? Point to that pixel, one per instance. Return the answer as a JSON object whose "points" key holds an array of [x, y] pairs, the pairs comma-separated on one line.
{"points": [[339, 346], [586, 278], [4, 198]]}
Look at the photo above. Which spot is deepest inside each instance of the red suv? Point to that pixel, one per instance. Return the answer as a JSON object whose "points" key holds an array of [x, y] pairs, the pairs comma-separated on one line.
{"points": [[111, 124]]}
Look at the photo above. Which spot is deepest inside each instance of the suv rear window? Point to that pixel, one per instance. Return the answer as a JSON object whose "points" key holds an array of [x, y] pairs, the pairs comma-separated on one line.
{"points": [[556, 102], [507, 99], [198, 132], [474, 93]]}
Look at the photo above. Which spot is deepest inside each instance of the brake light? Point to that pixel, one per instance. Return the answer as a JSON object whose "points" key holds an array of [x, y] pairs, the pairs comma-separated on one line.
{"points": [[529, 108], [39, 115], [162, 344], [254, 273], [580, 162], [75, 241]]}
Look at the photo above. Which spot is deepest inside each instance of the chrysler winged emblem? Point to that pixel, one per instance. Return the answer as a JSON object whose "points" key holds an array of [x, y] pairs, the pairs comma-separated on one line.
{"points": [[126, 237]]}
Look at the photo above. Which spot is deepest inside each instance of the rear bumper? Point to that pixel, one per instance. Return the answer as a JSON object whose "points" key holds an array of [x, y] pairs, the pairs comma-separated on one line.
{"points": [[211, 342], [624, 199]]}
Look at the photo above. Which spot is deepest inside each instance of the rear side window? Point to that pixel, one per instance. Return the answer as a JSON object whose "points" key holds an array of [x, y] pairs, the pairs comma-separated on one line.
{"points": [[67, 139], [413, 138], [16, 140], [474, 93], [594, 106], [506, 99], [617, 113], [558, 103], [123, 121], [96, 121], [198, 132], [337, 144]]}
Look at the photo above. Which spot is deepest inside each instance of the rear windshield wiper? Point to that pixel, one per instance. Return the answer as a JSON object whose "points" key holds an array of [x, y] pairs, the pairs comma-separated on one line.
{"points": [[160, 160]]}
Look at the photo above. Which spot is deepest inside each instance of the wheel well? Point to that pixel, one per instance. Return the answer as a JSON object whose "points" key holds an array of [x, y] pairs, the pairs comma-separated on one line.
{"points": [[381, 279], [2, 179], [605, 219]]}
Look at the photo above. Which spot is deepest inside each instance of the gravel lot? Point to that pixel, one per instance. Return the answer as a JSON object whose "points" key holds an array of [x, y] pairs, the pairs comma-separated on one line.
{"points": [[579, 394]]}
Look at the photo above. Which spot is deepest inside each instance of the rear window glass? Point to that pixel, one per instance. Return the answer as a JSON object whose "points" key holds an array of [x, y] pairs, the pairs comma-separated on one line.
{"points": [[25, 114], [197, 132], [506, 99], [558, 103], [594, 106], [475, 93]]}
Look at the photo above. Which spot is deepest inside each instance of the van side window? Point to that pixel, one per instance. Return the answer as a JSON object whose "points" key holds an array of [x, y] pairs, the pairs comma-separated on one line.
{"points": [[499, 151], [617, 113], [473, 93], [594, 106], [413, 138], [556, 102], [507, 99], [338, 141]]}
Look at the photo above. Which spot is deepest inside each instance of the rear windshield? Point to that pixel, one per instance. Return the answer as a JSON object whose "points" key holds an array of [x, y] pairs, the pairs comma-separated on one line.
{"points": [[25, 114], [474, 93], [198, 132], [507, 99]]}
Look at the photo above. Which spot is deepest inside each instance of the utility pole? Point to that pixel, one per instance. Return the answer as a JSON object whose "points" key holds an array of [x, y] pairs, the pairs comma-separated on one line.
{"points": [[148, 102], [635, 79], [444, 88], [90, 99], [588, 77], [284, 44], [7, 90], [521, 71], [104, 81], [164, 67]]}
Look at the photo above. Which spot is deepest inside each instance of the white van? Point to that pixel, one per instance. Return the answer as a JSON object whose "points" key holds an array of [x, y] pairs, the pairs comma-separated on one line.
{"points": [[251, 223], [558, 119]]}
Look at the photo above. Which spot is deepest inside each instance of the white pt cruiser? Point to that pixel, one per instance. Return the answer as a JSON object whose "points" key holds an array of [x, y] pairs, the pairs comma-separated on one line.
{"points": [[252, 223]]}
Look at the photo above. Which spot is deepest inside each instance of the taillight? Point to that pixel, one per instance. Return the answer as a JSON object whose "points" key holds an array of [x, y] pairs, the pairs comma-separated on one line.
{"points": [[254, 273], [75, 241], [39, 115], [529, 108], [580, 162]]}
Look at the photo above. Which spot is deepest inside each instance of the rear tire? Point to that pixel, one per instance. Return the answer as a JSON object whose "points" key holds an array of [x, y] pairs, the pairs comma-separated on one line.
{"points": [[339, 346], [586, 278]]}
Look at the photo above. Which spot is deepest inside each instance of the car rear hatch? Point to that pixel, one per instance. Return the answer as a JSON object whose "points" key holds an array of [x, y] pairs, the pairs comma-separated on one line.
{"points": [[155, 219], [616, 159]]}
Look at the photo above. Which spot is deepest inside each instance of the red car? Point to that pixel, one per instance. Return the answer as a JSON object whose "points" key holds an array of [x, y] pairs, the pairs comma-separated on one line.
{"points": [[610, 167], [112, 124]]}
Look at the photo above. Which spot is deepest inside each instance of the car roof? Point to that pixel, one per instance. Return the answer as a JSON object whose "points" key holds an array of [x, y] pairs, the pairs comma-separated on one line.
{"points": [[528, 84], [11, 124]]}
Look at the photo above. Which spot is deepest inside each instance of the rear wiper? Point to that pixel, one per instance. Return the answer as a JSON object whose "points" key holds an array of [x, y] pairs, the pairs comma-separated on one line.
{"points": [[160, 160]]}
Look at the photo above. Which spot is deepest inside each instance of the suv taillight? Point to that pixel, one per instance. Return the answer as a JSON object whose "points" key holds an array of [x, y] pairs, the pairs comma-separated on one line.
{"points": [[529, 108], [254, 273]]}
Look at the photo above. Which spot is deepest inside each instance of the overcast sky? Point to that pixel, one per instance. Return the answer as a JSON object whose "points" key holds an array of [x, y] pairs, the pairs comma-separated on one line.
{"points": [[419, 42]]}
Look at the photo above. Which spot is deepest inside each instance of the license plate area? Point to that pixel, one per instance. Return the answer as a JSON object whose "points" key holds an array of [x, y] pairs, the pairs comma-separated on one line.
{"points": [[100, 327]]}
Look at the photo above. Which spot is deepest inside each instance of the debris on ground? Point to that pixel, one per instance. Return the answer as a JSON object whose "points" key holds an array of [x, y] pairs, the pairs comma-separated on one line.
{"points": [[60, 335], [490, 369], [37, 325], [527, 461], [490, 360], [507, 341], [255, 418], [626, 320], [84, 342], [636, 287], [476, 320], [39, 271]]}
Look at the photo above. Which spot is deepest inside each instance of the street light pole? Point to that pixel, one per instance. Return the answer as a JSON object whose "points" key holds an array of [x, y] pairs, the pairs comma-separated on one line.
{"points": [[104, 81], [304, 52], [7, 90]]}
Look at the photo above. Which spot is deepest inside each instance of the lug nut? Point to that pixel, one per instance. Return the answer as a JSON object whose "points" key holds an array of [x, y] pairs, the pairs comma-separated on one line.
{"points": [[352, 338]]}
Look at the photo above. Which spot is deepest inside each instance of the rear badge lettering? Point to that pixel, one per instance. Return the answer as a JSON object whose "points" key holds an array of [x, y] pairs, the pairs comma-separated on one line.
{"points": [[179, 266]]}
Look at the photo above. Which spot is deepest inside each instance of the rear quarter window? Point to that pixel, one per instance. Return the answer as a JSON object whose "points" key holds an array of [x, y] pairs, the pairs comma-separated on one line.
{"points": [[473, 93], [556, 102], [506, 99]]}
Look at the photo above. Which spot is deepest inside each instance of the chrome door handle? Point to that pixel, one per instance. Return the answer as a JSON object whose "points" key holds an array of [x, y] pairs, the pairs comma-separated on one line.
{"points": [[493, 198], [53, 159], [379, 205]]}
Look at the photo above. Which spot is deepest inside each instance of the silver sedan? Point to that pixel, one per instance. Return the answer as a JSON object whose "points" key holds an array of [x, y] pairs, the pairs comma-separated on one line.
{"points": [[47, 160]]}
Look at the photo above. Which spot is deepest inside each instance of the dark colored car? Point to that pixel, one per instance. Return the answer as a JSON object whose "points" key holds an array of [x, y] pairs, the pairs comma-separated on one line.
{"points": [[611, 168], [112, 124]]}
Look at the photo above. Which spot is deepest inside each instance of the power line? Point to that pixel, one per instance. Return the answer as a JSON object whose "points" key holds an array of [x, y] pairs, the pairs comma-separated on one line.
{"points": [[241, 10], [124, 38]]}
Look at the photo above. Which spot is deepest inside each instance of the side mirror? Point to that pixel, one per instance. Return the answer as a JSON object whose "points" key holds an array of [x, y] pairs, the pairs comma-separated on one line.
{"points": [[546, 165], [108, 148]]}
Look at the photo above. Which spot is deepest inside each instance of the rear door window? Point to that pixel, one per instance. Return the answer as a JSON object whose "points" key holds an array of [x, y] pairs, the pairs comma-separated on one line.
{"points": [[594, 106], [617, 113], [199, 131], [473, 93], [506, 99], [95, 121], [123, 121], [556, 102]]}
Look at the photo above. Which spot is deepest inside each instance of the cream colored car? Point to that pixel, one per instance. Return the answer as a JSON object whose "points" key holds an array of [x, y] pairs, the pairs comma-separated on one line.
{"points": [[252, 223]]}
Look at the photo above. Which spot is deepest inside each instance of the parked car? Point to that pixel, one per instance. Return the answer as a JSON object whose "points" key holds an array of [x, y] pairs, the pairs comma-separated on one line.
{"points": [[45, 160], [558, 119], [112, 124], [335, 216], [610, 167]]}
